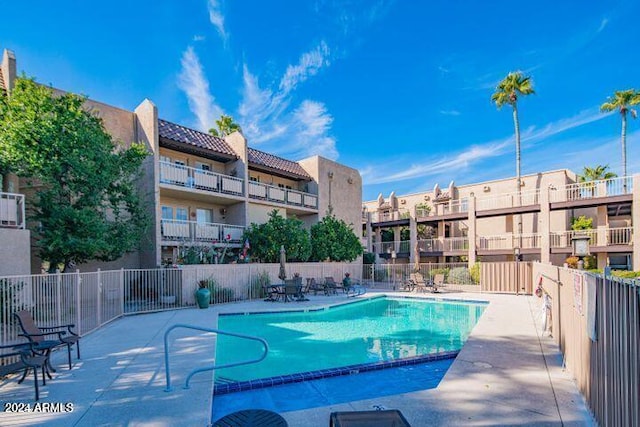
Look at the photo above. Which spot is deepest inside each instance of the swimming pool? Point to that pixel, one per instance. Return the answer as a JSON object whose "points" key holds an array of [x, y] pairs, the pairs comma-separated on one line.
{"points": [[374, 332]]}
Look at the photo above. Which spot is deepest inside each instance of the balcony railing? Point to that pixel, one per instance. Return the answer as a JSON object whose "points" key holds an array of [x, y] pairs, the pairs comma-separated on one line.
{"points": [[12, 210], [185, 176], [430, 245], [285, 196], [192, 231], [455, 243], [597, 237], [509, 241], [389, 215], [508, 200], [591, 190]]}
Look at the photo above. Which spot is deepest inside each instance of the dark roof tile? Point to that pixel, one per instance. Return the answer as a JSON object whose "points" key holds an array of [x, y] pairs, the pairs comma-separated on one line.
{"points": [[192, 137], [260, 158]]}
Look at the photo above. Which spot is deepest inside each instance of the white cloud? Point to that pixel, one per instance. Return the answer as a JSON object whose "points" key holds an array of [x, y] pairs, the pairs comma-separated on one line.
{"points": [[198, 38], [378, 174], [450, 112], [217, 18], [270, 118], [309, 64], [603, 24], [196, 86]]}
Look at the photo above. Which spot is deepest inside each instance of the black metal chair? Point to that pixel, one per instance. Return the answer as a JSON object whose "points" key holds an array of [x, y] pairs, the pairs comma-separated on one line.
{"points": [[22, 358], [37, 336]]}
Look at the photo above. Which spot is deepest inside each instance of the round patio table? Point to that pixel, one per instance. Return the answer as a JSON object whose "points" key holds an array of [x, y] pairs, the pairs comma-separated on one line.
{"points": [[252, 418]]}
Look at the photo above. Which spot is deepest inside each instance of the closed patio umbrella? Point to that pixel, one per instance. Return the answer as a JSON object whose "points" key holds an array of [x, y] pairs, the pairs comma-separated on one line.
{"points": [[416, 258], [283, 259]]}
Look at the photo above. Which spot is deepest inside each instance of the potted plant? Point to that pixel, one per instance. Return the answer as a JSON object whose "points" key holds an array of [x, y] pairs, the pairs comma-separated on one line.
{"points": [[203, 294]]}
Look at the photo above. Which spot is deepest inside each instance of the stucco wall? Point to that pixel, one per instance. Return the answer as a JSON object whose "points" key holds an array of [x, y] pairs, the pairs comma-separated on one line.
{"points": [[338, 185], [15, 252]]}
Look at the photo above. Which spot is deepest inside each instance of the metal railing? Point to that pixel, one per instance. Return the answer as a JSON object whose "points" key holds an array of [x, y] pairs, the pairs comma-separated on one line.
{"points": [[389, 215], [597, 237], [395, 276], [12, 212], [272, 193], [508, 200], [430, 245], [208, 368], [509, 241], [185, 176], [192, 231], [593, 189]]}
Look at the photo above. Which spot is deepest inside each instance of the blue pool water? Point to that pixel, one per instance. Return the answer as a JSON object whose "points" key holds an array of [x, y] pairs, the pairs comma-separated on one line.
{"points": [[367, 332]]}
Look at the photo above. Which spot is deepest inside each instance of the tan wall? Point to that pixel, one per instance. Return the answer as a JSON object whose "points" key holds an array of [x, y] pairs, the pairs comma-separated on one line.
{"points": [[192, 206], [15, 252], [345, 187], [266, 178], [259, 214], [192, 160]]}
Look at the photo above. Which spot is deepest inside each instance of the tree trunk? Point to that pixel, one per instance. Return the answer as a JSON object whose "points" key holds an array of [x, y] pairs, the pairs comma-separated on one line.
{"points": [[624, 144], [516, 125]]}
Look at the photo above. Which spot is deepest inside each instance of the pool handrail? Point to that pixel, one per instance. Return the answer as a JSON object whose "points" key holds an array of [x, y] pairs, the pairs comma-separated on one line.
{"points": [[208, 368]]}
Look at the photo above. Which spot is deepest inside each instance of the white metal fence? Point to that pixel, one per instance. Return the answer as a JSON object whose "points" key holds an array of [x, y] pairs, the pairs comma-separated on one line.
{"points": [[89, 300]]}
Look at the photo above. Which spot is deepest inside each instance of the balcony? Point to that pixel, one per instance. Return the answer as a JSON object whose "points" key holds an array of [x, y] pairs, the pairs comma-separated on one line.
{"points": [[280, 195], [192, 231], [389, 215], [12, 210], [603, 237], [508, 200], [620, 186], [509, 242], [188, 177]]}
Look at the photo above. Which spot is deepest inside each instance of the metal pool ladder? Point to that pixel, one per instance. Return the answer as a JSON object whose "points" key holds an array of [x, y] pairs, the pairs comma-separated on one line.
{"points": [[208, 368]]}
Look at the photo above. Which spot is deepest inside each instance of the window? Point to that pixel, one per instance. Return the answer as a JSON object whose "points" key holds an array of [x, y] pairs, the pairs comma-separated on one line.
{"points": [[254, 178], [281, 185], [182, 214], [203, 166], [204, 215], [167, 212]]}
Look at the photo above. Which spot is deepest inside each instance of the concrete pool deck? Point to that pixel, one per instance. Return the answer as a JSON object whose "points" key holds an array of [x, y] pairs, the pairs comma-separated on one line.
{"points": [[506, 374]]}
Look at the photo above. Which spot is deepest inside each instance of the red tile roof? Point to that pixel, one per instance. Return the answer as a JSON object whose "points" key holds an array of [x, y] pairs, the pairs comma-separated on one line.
{"points": [[260, 158], [194, 138]]}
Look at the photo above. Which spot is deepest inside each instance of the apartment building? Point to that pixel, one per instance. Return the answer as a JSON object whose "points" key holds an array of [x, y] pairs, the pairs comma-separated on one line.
{"points": [[203, 190], [481, 222]]}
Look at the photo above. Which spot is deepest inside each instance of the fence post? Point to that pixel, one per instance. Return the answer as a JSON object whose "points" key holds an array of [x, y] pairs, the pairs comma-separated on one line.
{"points": [[121, 290], [78, 303], [59, 298], [98, 297]]}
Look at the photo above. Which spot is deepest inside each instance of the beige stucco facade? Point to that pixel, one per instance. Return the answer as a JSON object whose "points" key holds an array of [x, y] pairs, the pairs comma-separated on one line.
{"points": [[480, 221], [214, 214]]}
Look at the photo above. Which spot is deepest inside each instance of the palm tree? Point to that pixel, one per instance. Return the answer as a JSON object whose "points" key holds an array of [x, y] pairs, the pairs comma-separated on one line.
{"points": [[622, 100], [226, 126], [507, 92], [596, 173]]}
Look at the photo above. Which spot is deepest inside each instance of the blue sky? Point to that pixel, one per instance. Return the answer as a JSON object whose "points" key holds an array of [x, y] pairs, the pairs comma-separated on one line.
{"points": [[399, 90]]}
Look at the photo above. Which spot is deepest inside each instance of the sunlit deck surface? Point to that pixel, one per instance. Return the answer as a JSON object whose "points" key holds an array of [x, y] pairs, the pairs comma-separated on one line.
{"points": [[504, 375]]}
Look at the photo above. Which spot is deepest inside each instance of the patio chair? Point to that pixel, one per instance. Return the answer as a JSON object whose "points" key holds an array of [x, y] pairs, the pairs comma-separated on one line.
{"points": [[438, 281], [22, 359], [37, 336], [420, 284], [315, 286], [331, 286], [410, 283]]}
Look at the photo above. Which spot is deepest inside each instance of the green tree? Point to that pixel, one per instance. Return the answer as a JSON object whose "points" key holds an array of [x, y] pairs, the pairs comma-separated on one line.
{"points": [[507, 92], [266, 239], [85, 205], [226, 126], [622, 100], [596, 173], [334, 240]]}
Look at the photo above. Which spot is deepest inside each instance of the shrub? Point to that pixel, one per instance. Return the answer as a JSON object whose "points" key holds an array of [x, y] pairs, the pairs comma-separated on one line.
{"points": [[369, 258], [590, 262], [625, 274], [435, 271], [258, 284], [218, 293], [581, 223], [475, 273], [459, 276]]}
